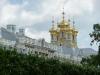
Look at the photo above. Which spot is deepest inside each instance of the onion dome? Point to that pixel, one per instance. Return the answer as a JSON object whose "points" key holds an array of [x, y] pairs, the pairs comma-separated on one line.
{"points": [[53, 28]]}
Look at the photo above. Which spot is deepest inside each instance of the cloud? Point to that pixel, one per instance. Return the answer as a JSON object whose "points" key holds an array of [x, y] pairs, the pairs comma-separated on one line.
{"points": [[18, 12], [8, 13], [35, 15], [78, 7], [38, 35]]}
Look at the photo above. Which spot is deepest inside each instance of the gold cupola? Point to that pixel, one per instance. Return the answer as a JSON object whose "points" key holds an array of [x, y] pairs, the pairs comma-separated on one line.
{"points": [[53, 33], [53, 28], [64, 34], [74, 29], [63, 22]]}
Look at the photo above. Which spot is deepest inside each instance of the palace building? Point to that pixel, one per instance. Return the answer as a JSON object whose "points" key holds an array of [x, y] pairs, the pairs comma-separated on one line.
{"points": [[63, 41]]}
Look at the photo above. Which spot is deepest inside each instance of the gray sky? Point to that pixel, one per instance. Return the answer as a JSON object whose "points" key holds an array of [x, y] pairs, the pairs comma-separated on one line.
{"points": [[36, 15]]}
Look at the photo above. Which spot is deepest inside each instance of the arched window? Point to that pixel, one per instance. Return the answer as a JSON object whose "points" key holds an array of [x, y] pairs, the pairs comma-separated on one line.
{"points": [[52, 37], [68, 36], [73, 37], [57, 38], [60, 44], [62, 34]]}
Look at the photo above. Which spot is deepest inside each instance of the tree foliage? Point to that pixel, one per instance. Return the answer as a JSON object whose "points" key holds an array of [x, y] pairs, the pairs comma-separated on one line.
{"points": [[13, 63], [95, 35], [94, 60]]}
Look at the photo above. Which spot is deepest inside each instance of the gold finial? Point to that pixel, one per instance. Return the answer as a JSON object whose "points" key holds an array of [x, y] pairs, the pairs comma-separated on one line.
{"points": [[53, 21], [63, 13], [69, 20], [53, 24], [74, 24], [57, 23]]}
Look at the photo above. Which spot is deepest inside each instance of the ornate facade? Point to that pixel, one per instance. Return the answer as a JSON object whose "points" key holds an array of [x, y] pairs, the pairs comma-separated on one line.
{"points": [[63, 34]]}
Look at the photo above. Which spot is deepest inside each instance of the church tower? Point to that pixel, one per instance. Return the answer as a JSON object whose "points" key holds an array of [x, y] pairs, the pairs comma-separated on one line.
{"points": [[64, 34]]}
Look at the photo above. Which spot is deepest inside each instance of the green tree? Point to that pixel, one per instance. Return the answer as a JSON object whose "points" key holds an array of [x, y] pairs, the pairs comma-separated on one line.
{"points": [[13, 63], [95, 35], [94, 59]]}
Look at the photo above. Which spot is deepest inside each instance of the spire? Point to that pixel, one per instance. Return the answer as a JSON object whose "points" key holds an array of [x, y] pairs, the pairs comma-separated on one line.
{"points": [[53, 24], [68, 20], [53, 21], [63, 14], [73, 24], [57, 23], [75, 30]]}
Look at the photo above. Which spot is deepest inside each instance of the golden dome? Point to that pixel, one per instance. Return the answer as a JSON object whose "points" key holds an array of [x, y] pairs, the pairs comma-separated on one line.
{"points": [[63, 22], [74, 29], [58, 29], [53, 28]]}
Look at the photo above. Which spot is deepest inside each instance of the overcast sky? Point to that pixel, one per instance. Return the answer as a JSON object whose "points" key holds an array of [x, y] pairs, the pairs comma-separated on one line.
{"points": [[36, 15]]}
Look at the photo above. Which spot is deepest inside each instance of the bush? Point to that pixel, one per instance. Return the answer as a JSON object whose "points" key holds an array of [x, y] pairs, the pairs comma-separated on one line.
{"points": [[13, 63]]}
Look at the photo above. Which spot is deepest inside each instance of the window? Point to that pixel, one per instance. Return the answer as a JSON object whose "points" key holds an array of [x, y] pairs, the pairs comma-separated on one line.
{"points": [[60, 44], [36, 52], [57, 38], [46, 54], [52, 37], [68, 36], [62, 34], [73, 37], [23, 50]]}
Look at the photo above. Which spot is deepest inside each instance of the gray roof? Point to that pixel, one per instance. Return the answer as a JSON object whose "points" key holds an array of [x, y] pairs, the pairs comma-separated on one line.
{"points": [[88, 51], [7, 35], [83, 52]]}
